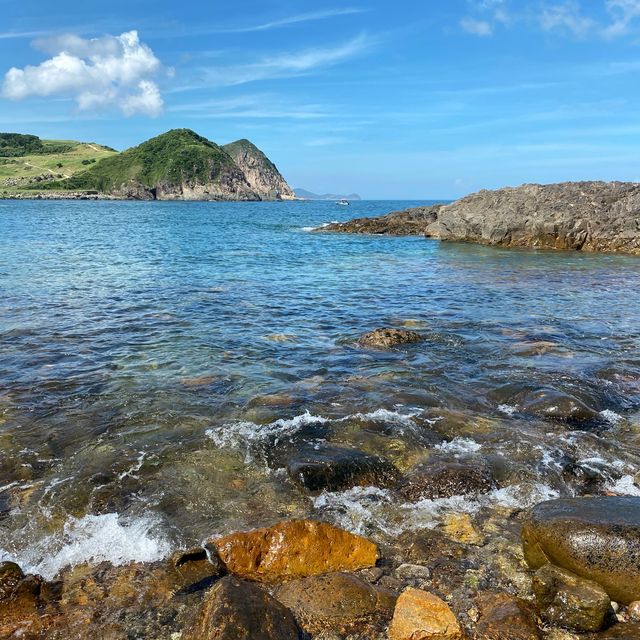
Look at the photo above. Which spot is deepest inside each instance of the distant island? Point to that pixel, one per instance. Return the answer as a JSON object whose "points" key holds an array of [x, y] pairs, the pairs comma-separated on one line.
{"points": [[177, 165], [303, 194]]}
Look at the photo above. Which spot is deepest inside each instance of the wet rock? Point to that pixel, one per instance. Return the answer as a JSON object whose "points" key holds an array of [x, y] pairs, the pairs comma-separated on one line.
{"points": [[504, 617], [337, 602], [331, 468], [239, 610], [10, 575], [630, 631], [596, 538], [294, 549], [568, 601], [420, 615], [633, 610], [197, 567], [445, 479], [460, 527], [19, 601], [385, 338], [409, 222], [412, 573]]}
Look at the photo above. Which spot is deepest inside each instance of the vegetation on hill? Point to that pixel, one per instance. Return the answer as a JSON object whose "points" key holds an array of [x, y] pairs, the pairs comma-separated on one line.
{"points": [[177, 157], [15, 145]]}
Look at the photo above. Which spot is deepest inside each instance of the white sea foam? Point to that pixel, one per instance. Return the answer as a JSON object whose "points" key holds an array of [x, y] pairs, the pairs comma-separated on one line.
{"points": [[611, 416], [460, 446], [93, 539], [320, 226], [508, 409], [365, 509], [625, 486]]}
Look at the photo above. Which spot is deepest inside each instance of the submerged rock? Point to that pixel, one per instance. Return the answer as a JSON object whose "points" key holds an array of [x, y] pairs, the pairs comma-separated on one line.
{"points": [[446, 479], [386, 338], [420, 615], [595, 538], [336, 602], [238, 610], [460, 528], [568, 601], [556, 405], [294, 549], [331, 468], [505, 617]]}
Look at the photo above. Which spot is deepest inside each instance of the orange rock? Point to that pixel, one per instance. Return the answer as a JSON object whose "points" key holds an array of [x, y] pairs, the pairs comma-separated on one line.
{"points": [[419, 615], [294, 549]]}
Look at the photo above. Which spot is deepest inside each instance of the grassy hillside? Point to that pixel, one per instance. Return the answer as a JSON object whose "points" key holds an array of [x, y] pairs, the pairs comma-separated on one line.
{"points": [[173, 158], [27, 162]]}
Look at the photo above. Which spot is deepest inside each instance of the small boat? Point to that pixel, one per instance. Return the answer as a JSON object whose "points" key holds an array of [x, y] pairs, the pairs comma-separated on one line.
{"points": [[343, 203]]}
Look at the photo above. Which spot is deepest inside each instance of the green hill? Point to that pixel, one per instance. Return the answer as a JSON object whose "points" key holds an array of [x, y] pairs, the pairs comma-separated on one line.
{"points": [[28, 162], [176, 164]]}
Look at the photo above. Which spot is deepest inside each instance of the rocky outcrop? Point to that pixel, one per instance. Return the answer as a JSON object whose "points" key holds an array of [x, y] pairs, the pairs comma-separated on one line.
{"points": [[260, 173], [504, 617], [294, 549], [587, 216], [595, 538]]}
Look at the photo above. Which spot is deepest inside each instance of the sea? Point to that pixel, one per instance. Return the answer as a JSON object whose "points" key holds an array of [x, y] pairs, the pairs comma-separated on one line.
{"points": [[160, 363]]}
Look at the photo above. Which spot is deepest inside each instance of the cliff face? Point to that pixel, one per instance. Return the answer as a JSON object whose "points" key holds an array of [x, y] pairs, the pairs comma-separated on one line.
{"points": [[587, 216], [261, 174]]}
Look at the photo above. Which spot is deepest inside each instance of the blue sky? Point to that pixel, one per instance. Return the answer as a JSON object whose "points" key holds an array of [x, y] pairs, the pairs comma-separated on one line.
{"points": [[403, 99]]}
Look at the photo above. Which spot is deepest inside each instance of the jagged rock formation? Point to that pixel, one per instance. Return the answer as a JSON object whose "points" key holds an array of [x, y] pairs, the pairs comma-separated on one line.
{"points": [[588, 216], [261, 174]]}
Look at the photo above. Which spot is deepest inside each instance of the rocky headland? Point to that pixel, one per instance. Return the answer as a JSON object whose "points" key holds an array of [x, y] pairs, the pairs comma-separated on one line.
{"points": [[586, 216]]}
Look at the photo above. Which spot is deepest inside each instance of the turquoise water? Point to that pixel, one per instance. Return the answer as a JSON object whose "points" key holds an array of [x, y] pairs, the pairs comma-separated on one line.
{"points": [[160, 361]]}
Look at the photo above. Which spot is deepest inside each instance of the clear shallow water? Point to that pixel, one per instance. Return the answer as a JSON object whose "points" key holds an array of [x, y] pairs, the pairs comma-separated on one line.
{"points": [[160, 361]]}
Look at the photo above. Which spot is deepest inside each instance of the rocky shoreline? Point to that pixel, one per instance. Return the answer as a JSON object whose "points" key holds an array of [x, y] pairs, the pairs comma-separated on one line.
{"points": [[585, 216], [576, 575]]}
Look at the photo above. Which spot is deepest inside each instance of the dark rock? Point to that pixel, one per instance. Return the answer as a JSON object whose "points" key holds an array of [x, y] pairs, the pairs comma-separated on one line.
{"points": [[596, 538], [445, 479], [331, 468], [556, 405], [337, 602], [239, 610], [10, 575], [568, 601], [411, 222], [504, 617], [385, 338], [196, 568]]}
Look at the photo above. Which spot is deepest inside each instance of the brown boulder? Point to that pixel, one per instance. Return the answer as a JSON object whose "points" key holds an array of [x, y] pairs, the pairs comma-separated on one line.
{"points": [[504, 617], [385, 338], [294, 549], [568, 601], [196, 568], [420, 615], [239, 610], [336, 602]]}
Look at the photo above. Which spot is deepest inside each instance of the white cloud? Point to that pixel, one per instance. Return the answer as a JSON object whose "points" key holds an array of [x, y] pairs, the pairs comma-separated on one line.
{"points": [[296, 19], [624, 12], [285, 65], [112, 71], [566, 16], [480, 28]]}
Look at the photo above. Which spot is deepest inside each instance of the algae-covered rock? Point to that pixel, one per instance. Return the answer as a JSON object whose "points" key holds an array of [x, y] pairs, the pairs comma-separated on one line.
{"points": [[238, 610], [568, 601], [420, 615], [385, 338], [596, 538], [294, 549], [336, 602], [331, 468]]}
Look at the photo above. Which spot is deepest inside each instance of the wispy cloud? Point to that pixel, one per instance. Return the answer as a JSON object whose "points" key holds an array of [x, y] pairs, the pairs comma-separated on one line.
{"points": [[567, 16], [481, 28], [285, 65], [15, 35], [291, 20]]}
